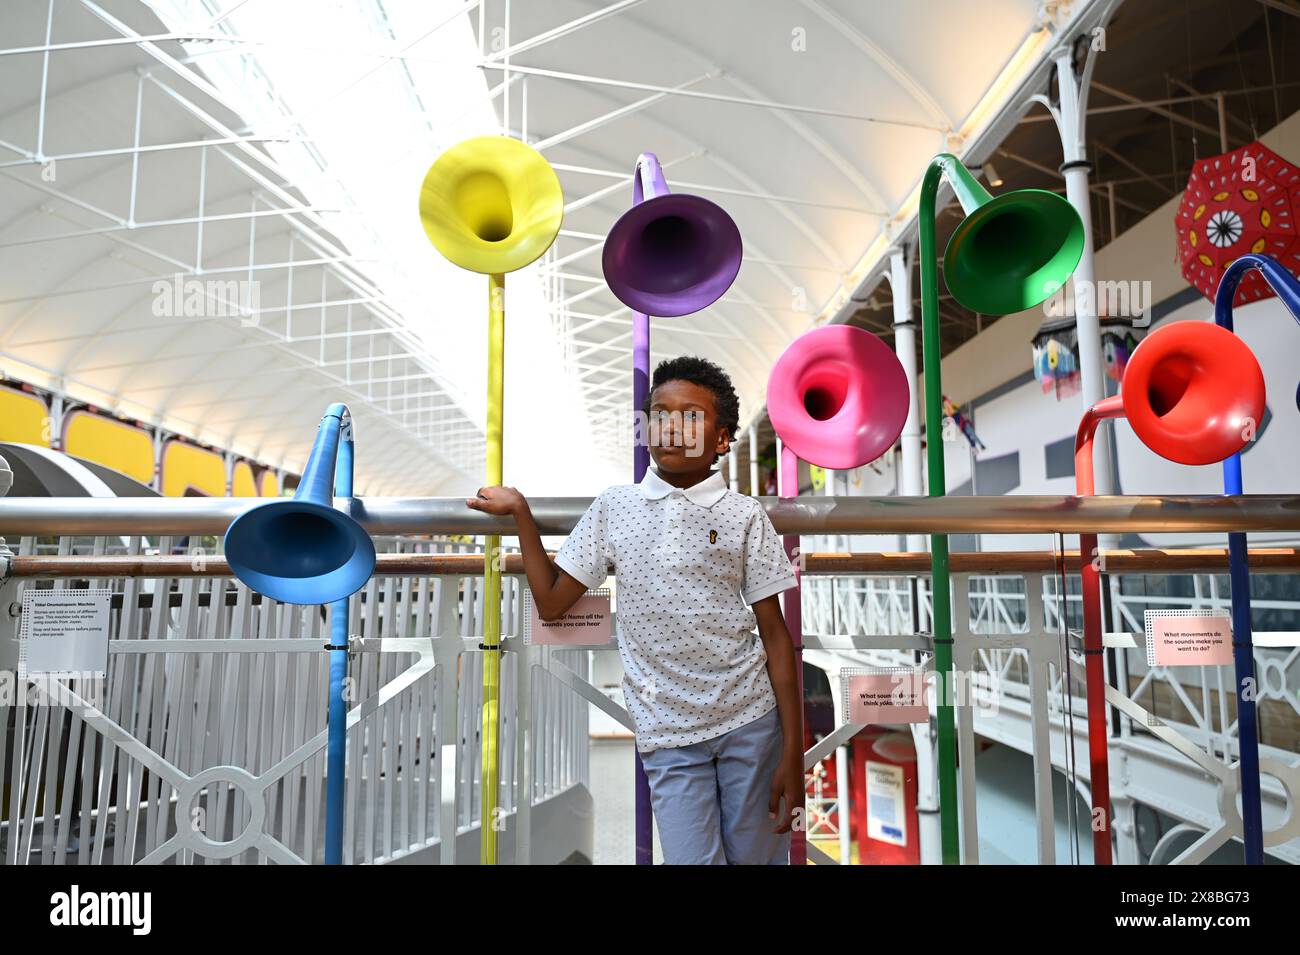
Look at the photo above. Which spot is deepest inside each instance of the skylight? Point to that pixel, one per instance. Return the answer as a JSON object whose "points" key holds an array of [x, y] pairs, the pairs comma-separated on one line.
{"points": [[370, 93]]}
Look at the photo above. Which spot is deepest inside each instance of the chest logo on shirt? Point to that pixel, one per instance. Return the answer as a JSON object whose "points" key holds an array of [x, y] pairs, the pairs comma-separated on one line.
{"points": [[713, 537]]}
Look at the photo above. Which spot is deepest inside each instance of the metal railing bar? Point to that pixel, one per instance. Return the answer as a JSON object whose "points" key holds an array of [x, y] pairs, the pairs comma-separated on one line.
{"points": [[1192, 560], [1009, 514]]}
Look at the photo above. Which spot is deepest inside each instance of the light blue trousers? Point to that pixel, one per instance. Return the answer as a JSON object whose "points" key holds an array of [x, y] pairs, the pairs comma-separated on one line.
{"points": [[710, 799]]}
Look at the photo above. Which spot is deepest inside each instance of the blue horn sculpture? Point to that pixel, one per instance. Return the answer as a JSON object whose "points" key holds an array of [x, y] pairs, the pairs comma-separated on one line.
{"points": [[303, 551]]}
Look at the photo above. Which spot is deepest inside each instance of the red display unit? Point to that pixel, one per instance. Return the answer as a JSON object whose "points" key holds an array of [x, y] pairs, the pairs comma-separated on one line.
{"points": [[884, 819]]}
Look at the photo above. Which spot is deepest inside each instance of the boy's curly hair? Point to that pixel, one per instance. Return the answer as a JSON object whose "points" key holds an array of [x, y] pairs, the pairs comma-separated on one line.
{"points": [[702, 372]]}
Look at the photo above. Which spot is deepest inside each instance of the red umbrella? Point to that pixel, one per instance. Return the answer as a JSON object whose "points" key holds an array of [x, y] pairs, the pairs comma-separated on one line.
{"points": [[1242, 201]]}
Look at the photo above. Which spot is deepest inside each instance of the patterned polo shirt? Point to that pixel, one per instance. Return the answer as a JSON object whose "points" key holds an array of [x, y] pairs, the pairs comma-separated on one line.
{"points": [[689, 564]]}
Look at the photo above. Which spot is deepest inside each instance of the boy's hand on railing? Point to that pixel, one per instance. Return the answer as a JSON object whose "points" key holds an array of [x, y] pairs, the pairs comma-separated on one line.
{"points": [[501, 501], [553, 590]]}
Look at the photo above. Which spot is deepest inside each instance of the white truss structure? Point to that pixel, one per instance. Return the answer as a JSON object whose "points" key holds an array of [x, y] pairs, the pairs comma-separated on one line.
{"points": [[194, 211]]}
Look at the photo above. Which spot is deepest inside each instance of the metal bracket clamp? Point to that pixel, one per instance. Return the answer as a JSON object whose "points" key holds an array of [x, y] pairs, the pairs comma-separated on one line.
{"points": [[350, 646]]}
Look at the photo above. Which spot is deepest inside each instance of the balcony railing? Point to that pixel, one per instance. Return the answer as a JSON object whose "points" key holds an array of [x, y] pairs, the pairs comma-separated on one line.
{"points": [[217, 705]]}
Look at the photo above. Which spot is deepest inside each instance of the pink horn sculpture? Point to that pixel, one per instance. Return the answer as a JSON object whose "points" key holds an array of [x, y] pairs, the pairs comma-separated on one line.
{"points": [[837, 397]]}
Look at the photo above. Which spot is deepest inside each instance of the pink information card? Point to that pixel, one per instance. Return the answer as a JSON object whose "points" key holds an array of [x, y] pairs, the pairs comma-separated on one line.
{"points": [[895, 696], [588, 623], [1181, 638]]}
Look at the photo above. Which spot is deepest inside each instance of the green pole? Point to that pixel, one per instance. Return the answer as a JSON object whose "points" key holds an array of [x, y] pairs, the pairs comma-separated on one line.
{"points": [[1030, 256], [968, 190]]}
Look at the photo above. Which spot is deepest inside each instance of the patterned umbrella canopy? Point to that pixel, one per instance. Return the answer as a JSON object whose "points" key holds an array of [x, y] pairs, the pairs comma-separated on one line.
{"points": [[1242, 201]]}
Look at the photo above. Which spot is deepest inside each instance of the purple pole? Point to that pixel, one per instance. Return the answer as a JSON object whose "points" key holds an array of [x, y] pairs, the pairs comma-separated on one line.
{"points": [[640, 390], [640, 464], [647, 167]]}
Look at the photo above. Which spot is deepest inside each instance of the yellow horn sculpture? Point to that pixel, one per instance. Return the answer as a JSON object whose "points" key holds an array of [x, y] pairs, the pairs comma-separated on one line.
{"points": [[492, 205]]}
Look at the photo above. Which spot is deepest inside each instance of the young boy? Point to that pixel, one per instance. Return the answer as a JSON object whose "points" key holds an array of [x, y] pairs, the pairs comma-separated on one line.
{"points": [[717, 711]]}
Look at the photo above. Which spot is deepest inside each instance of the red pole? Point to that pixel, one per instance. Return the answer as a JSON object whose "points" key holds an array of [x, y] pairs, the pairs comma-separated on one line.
{"points": [[1098, 740]]}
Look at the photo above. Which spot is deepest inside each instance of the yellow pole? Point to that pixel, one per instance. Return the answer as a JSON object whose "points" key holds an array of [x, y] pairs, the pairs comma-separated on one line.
{"points": [[491, 730]]}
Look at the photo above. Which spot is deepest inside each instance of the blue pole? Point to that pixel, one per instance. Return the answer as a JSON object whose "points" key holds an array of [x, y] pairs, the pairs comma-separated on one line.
{"points": [[336, 743], [259, 551], [1243, 649], [336, 750]]}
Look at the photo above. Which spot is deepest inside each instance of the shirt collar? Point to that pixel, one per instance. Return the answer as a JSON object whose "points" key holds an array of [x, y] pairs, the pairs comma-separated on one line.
{"points": [[707, 493]]}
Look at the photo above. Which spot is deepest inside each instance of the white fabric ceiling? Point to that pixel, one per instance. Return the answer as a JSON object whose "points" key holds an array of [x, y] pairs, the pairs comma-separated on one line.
{"points": [[815, 124]]}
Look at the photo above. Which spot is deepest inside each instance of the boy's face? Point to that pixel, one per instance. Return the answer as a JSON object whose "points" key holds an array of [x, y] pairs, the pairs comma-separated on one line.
{"points": [[684, 435]]}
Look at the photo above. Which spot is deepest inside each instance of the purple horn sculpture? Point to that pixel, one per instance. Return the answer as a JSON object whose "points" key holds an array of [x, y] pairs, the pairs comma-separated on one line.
{"points": [[668, 255]]}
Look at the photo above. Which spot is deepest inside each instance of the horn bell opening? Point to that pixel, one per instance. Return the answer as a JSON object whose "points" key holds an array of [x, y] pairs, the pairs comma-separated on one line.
{"points": [[838, 397], [1013, 252], [482, 201], [299, 552], [491, 204], [1196, 393], [825, 389], [672, 255]]}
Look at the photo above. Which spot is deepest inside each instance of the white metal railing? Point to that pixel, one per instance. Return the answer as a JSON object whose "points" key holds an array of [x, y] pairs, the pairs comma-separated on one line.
{"points": [[208, 742], [217, 705], [1168, 714]]}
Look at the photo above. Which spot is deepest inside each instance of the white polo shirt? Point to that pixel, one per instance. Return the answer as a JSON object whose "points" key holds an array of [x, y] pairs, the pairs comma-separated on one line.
{"points": [[688, 563]]}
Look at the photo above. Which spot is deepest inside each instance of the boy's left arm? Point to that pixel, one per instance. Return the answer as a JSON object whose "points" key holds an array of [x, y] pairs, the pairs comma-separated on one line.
{"points": [[788, 782]]}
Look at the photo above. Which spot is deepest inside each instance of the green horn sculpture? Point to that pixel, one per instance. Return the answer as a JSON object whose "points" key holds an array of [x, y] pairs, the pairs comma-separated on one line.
{"points": [[1010, 253]]}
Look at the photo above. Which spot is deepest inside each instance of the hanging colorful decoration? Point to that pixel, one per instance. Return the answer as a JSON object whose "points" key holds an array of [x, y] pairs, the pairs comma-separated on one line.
{"points": [[818, 477], [1242, 201], [1056, 347], [952, 410], [1118, 339], [1056, 359]]}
